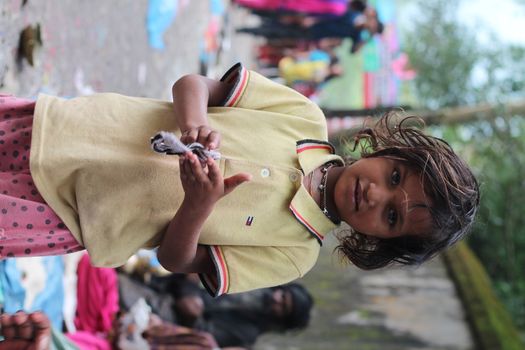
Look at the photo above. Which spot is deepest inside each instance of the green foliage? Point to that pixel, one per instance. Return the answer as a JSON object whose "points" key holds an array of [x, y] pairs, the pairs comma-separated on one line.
{"points": [[443, 52], [453, 67], [496, 149], [503, 68]]}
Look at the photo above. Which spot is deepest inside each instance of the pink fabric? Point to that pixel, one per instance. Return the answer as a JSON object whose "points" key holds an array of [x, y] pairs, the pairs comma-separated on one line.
{"points": [[97, 297], [28, 226], [88, 341], [320, 7]]}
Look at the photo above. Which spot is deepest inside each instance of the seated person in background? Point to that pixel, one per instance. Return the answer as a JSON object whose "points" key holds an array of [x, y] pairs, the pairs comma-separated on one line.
{"points": [[238, 319], [233, 320], [23, 331]]}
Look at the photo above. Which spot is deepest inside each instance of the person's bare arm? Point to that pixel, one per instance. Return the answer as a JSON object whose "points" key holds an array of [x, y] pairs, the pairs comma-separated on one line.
{"points": [[192, 95]]}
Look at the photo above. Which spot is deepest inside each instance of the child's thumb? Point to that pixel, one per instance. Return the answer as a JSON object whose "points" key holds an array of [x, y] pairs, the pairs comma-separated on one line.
{"points": [[232, 182]]}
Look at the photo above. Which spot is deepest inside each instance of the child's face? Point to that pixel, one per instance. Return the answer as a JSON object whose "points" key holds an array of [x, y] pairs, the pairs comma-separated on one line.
{"points": [[379, 197]]}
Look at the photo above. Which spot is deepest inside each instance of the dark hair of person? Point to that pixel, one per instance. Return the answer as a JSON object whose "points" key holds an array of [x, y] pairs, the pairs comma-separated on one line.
{"points": [[357, 5], [334, 60], [296, 316], [302, 303], [330, 77], [380, 27], [448, 182]]}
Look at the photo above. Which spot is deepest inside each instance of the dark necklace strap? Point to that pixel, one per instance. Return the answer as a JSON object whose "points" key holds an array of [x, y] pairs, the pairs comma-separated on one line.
{"points": [[322, 191]]}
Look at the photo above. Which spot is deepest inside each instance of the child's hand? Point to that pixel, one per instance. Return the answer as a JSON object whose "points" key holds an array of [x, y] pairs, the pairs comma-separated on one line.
{"points": [[205, 185], [204, 135]]}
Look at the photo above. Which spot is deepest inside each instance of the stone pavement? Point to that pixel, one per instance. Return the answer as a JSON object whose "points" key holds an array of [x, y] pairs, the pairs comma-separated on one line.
{"points": [[389, 309], [100, 45], [93, 46], [97, 45]]}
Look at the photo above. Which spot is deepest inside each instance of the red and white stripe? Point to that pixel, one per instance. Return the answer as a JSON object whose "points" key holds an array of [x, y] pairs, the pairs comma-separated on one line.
{"points": [[306, 224], [241, 75], [314, 145], [221, 287]]}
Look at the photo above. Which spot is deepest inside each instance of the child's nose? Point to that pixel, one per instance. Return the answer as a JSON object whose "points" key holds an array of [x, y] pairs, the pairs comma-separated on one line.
{"points": [[376, 195]]}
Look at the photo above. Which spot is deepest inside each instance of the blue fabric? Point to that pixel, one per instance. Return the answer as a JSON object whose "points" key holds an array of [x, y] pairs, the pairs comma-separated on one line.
{"points": [[217, 7], [50, 300], [319, 55], [1, 293], [14, 293], [60, 342], [161, 14]]}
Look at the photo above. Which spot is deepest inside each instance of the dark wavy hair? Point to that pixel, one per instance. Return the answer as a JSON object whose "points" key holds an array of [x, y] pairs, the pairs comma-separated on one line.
{"points": [[447, 181]]}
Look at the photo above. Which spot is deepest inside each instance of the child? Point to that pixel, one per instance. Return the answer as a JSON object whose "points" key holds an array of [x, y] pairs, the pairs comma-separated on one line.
{"points": [[256, 217]]}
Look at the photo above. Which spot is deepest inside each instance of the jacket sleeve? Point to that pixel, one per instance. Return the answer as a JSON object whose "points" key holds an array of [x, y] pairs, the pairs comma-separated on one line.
{"points": [[254, 91], [244, 268]]}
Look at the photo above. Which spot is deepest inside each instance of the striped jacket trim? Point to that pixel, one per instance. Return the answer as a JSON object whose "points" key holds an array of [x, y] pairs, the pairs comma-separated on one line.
{"points": [[306, 224], [238, 75], [219, 287], [305, 145]]}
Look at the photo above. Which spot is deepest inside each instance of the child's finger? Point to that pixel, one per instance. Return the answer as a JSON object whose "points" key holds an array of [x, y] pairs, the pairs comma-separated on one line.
{"points": [[232, 182], [40, 320], [203, 135], [213, 141], [181, 168], [186, 169], [189, 136], [213, 171], [23, 327], [42, 329], [8, 327], [197, 170]]}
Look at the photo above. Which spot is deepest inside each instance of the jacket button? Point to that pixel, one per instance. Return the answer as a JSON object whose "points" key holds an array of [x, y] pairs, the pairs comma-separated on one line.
{"points": [[265, 172], [294, 177]]}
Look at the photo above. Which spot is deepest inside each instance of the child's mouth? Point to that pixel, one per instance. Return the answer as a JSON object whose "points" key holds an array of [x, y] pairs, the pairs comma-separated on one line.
{"points": [[356, 195]]}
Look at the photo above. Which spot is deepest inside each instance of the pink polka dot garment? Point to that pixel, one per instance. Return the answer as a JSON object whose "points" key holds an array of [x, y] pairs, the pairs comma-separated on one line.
{"points": [[28, 226]]}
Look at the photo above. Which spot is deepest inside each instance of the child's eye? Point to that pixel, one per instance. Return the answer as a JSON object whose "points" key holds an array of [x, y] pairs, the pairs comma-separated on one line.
{"points": [[392, 217], [395, 178]]}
